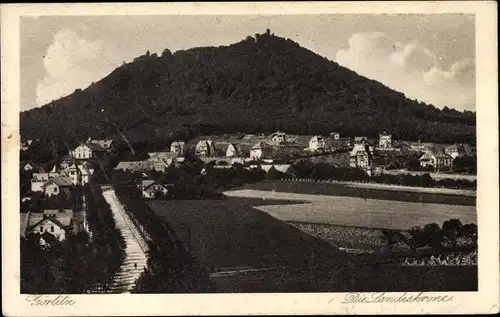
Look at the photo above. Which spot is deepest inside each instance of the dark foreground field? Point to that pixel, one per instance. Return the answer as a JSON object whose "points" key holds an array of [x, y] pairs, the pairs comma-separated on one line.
{"points": [[229, 234], [367, 193], [247, 250], [380, 278]]}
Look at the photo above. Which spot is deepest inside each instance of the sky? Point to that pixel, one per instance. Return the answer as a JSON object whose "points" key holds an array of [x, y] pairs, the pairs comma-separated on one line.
{"points": [[428, 57]]}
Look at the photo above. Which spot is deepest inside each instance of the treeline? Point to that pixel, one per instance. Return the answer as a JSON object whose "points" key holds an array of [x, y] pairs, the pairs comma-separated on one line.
{"points": [[170, 268], [272, 80], [325, 171]]}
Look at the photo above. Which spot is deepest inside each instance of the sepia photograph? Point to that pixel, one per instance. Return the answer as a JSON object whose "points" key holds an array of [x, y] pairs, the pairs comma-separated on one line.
{"points": [[248, 153]]}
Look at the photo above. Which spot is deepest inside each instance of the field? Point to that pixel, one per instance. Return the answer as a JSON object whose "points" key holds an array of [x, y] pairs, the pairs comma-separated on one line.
{"points": [[247, 250], [430, 190], [436, 176], [359, 278], [230, 235], [336, 189], [357, 212]]}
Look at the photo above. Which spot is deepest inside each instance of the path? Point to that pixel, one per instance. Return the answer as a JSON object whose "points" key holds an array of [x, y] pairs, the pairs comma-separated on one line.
{"points": [[126, 277]]}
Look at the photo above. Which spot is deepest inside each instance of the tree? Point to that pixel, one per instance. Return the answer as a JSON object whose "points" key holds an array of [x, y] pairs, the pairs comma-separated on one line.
{"points": [[417, 239], [391, 238], [433, 236], [470, 231], [452, 230]]}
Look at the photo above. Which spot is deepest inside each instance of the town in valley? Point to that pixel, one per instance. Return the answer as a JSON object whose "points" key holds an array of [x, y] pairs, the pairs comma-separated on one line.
{"points": [[255, 167]]}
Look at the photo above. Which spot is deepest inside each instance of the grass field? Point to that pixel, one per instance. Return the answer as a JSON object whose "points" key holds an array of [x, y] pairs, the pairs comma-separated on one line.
{"points": [[357, 212], [333, 189], [229, 234]]}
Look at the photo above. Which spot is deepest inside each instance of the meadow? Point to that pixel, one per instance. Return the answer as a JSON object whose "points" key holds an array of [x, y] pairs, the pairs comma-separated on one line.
{"points": [[357, 212]]}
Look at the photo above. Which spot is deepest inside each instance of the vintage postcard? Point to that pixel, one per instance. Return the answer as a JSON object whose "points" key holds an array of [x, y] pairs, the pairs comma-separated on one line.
{"points": [[250, 158]]}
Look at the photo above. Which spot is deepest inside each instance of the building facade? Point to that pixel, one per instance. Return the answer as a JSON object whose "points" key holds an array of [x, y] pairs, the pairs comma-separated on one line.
{"points": [[317, 143], [360, 156], [385, 140]]}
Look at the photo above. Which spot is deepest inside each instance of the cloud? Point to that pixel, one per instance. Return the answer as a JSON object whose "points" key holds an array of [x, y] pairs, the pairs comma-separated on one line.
{"points": [[73, 62], [412, 69]]}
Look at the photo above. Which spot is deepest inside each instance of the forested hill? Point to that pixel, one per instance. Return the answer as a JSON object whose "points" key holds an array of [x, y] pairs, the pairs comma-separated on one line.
{"points": [[261, 84]]}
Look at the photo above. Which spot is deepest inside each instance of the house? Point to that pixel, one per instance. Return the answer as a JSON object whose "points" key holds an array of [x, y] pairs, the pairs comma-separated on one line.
{"points": [[25, 145], [177, 147], [205, 148], [282, 168], [28, 166], [79, 174], [438, 160], [334, 135], [260, 150], [428, 160], [455, 150], [150, 189], [360, 156], [227, 149], [59, 184], [426, 147], [385, 140], [58, 223], [89, 151], [278, 137], [317, 143], [66, 162], [332, 143], [108, 145], [39, 179], [162, 160], [360, 140], [135, 166]]}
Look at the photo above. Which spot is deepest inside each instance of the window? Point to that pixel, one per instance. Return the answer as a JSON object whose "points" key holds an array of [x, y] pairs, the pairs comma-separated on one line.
{"points": [[41, 229], [55, 189], [51, 228]]}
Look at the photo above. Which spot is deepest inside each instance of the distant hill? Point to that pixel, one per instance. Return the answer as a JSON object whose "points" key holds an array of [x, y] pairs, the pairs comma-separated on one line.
{"points": [[261, 84]]}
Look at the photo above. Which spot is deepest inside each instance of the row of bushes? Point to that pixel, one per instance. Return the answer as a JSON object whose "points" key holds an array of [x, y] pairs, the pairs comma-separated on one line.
{"points": [[170, 268], [451, 259]]}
